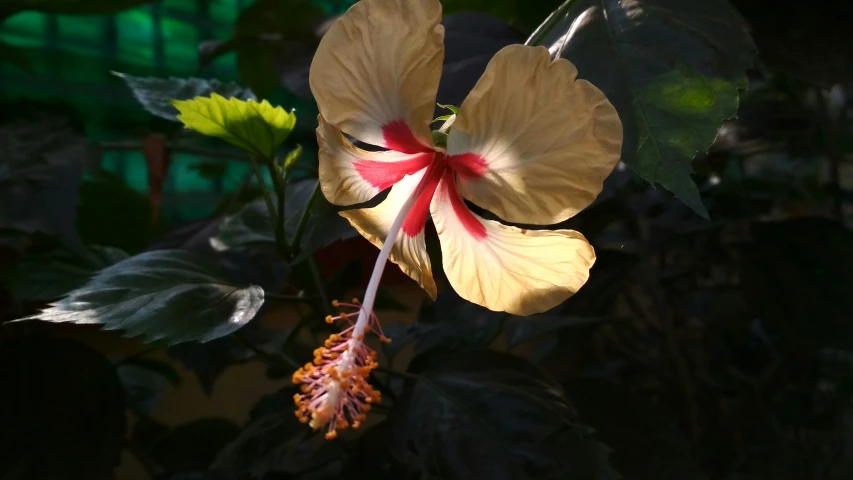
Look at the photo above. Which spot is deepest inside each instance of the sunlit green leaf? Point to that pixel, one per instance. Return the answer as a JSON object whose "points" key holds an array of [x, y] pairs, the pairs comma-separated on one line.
{"points": [[453, 109], [258, 128], [162, 294], [292, 157], [672, 69]]}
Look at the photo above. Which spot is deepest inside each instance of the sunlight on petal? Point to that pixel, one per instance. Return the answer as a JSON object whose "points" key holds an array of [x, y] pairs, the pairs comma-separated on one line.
{"points": [[543, 141], [503, 268], [376, 72]]}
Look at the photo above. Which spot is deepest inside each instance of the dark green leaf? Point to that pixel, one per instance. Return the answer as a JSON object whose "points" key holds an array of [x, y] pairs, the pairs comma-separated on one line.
{"points": [[252, 224], [144, 382], [42, 160], [155, 94], [62, 410], [646, 441], [471, 39], [164, 369], [672, 69], [450, 323], [522, 329], [194, 445], [273, 39], [274, 441], [210, 170], [163, 294], [491, 415], [256, 64], [112, 214], [48, 276], [386, 301], [798, 277]]}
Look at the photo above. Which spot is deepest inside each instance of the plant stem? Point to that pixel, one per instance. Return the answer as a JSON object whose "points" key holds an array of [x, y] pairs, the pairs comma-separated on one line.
{"points": [[262, 184], [280, 219], [303, 220]]}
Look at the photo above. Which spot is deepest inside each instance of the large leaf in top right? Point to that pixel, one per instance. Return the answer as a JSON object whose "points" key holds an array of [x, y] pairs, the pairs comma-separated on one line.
{"points": [[672, 69]]}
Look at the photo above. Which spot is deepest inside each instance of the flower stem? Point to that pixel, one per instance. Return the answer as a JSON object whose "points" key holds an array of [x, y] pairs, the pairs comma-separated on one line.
{"points": [[379, 266]]}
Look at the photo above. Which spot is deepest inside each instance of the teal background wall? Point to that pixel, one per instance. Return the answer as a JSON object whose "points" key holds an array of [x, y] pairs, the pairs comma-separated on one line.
{"points": [[72, 57]]}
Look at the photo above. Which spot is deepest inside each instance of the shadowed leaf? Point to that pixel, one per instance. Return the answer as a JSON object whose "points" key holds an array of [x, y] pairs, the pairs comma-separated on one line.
{"points": [[156, 94], [673, 73], [163, 294], [490, 415]]}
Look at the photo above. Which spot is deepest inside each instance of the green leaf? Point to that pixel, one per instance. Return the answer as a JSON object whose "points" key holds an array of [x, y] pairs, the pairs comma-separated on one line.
{"points": [[450, 323], [162, 294], [156, 94], [252, 224], [453, 109], [672, 69], [42, 160], [145, 380], [798, 275], [68, 7], [258, 128], [48, 276], [292, 157], [62, 410], [506, 415], [442, 118]]}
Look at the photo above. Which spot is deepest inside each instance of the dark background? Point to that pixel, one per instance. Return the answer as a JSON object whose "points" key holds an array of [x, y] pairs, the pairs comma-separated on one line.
{"points": [[714, 339]]}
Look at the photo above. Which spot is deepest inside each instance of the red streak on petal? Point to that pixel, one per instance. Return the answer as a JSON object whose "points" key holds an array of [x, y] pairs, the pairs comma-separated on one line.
{"points": [[469, 222], [415, 220], [468, 165], [399, 137], [384, 174]]}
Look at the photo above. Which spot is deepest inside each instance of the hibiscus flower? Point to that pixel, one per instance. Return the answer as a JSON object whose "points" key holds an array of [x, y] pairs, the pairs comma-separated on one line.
{"points": [[531, 143]]}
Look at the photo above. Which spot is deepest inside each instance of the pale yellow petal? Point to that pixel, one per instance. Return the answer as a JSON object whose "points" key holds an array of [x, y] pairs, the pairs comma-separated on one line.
{"points": [[409, 251], [350, 175], [531, 143], [376, 71], [504, 268]]}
